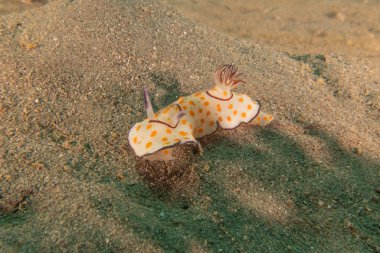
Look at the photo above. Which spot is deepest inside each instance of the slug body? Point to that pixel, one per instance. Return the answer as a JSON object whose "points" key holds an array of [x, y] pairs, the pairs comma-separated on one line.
{"points": [[195, 116]]}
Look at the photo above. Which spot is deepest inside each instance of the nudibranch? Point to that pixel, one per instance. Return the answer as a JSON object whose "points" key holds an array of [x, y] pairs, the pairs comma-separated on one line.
{"points": [[195, 116]]}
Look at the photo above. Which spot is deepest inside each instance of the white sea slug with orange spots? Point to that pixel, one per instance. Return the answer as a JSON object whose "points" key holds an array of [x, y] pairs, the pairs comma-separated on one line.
{"points": [[195, 116]]}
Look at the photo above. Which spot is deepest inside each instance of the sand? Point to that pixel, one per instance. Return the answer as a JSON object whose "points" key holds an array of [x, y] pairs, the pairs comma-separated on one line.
{"points": [[71, 83]]}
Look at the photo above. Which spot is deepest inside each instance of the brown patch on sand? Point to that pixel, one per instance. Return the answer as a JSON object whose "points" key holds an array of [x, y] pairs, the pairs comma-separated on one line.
{"points": [[27, 43], [16, 203], [177, 176]]}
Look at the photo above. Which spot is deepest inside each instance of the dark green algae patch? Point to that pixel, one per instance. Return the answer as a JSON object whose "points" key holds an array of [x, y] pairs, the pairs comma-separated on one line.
{"points": [[347, 221]]}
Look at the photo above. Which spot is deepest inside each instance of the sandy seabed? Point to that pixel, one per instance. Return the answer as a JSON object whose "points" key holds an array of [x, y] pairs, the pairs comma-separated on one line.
{"points": [[71, 78]]}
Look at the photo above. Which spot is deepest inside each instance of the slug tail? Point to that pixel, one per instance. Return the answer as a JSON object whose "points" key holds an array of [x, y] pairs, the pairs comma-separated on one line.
{"points": [[262, 119]]}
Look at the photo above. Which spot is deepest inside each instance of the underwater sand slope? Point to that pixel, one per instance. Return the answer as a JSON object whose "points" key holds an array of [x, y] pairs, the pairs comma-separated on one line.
{"points": [[71, 83]]}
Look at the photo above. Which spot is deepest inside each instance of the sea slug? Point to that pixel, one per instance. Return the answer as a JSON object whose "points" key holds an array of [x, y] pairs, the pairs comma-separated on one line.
{"points": [[195, 116]]}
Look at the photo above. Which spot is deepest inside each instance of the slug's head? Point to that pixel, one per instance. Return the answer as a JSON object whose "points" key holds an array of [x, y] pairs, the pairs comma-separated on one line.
{"points": [[153, 137]]}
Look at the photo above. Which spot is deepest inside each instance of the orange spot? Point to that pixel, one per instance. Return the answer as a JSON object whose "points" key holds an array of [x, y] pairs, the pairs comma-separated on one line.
{"points": [[203, 98], [243, 115], [166, 110], [165, 139], [180, 100], [249, 107], [153, 133], [200, 130], [191, 126], [208, 113], [182, 133], [148, 126], [270, 117], [184, 121], [148, 145], [191, 102], [235, 112], [138, 128], [192, 113], [241, 100], [184, 107], [225, 93], [197, 94], [135, 140], [206, 103], [258, 118], [168, 131], [219, 109], [202, 121], [220, 119], [211, 123], [200, 110], [177, 140], [218, 105], [228, 118], [230, 106], [265, 118], [258, 123], [166, 152]]}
